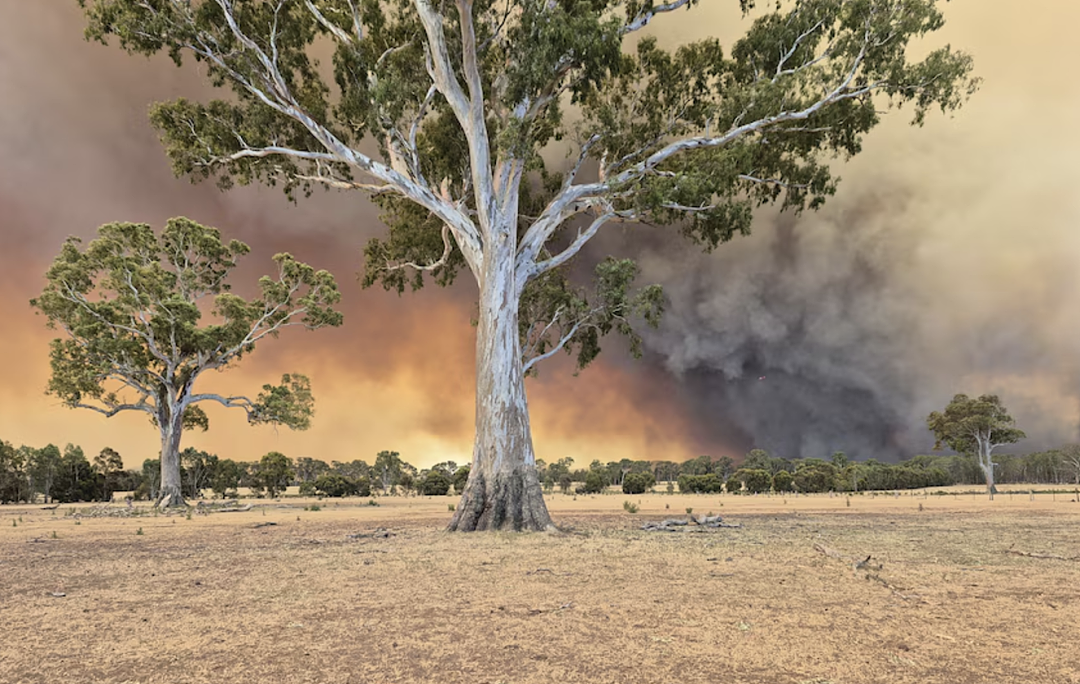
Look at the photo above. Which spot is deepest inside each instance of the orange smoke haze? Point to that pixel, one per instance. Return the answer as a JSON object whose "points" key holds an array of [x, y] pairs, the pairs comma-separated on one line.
{"points": [[970, 227]]}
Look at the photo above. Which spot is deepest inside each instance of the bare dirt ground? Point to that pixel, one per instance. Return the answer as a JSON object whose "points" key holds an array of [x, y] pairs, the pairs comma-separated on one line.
{"points": [[946, 596]]}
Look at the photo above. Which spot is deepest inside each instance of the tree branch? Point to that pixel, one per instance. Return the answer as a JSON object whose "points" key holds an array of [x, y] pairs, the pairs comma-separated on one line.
{"points": [[278, 97], [644, 17], [529, 268], [441, 261]]}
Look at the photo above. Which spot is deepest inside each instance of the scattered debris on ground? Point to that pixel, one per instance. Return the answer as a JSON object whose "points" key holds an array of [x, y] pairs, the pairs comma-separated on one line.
{"points": [[677, 524], [377, 533], [1044, 556], [232, 506], [872, 570]]}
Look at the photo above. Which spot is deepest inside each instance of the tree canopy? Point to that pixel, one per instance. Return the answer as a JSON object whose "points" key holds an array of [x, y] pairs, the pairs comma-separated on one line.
{"points": [[975, 426], [461, 98], [131, 305]]}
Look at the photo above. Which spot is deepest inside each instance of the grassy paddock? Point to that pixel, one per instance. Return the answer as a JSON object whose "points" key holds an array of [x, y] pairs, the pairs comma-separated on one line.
{"points": [[225, 597]]}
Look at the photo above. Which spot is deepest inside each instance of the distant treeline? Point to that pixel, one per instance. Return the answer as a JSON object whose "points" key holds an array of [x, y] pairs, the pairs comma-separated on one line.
{"points": [[760, 472], [28, 473]]}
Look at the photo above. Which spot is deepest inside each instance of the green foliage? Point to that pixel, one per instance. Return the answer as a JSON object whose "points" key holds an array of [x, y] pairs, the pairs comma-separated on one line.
{"points": [[630, 507], [693, 136], [638, 483], [595, 483], [388, 469], [782, 481], [131, 306], [755, 480], [815, 475], [700, 484], [565, 482], [460, 478], [337, 485], [734, 483], [226, 477], [434, 483], [15, 465], [275, 473], [197, 470], [75, 479], [967, 422], [552, 311]]}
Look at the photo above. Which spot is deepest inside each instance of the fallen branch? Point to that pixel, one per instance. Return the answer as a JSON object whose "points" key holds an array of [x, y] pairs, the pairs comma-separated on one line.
{"points": [[541, 611], [264, 524], [51, 508], [234, 510], [1045, 556], [676, 524], [865, 564]]}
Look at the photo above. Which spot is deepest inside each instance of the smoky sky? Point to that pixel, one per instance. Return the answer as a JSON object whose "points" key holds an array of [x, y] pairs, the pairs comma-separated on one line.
{"points": [[949, 261]]}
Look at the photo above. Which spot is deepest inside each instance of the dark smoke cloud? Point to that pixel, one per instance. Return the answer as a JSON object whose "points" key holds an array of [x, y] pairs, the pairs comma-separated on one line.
{"points": [[843, 329]]}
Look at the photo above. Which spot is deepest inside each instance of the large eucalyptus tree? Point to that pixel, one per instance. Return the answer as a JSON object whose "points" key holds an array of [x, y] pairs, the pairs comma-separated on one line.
{"points": [[130, 305], [460, 97]]}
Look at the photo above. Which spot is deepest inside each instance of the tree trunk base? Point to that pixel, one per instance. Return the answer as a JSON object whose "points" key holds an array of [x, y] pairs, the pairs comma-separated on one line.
{"points": [[509, 501], [170, 498]]}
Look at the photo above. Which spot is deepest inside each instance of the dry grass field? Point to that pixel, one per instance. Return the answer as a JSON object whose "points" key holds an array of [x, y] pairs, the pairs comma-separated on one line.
{"points": [[947, 595]]}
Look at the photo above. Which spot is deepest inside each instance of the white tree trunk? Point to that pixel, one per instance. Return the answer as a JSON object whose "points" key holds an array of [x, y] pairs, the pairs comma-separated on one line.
{"points": [[170, 492], [503, 491], [986, 462]]}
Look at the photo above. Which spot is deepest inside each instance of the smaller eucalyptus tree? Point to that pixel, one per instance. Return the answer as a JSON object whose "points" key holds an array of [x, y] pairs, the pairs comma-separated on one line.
{"points": [[130, 305], [975, 426]]}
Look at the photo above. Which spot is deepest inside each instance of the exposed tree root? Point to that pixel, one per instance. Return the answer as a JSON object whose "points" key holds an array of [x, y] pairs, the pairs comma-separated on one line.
{"points": [[170, 497], [511, 501]]}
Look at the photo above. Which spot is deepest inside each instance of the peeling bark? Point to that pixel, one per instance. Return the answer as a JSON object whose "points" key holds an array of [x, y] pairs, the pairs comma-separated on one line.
{"points": [[503, 491], [170, 493]]}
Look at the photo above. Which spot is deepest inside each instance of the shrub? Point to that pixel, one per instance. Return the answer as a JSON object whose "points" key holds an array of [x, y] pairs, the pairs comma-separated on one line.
{"points": [[815, 477], [629, 507], [307, 489], [460, 477], [756, 481], [734, 483], [782, 481], [565, 482], [700, 484], [594, 483], [434, 483], [637, 483], [336, 485]]}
